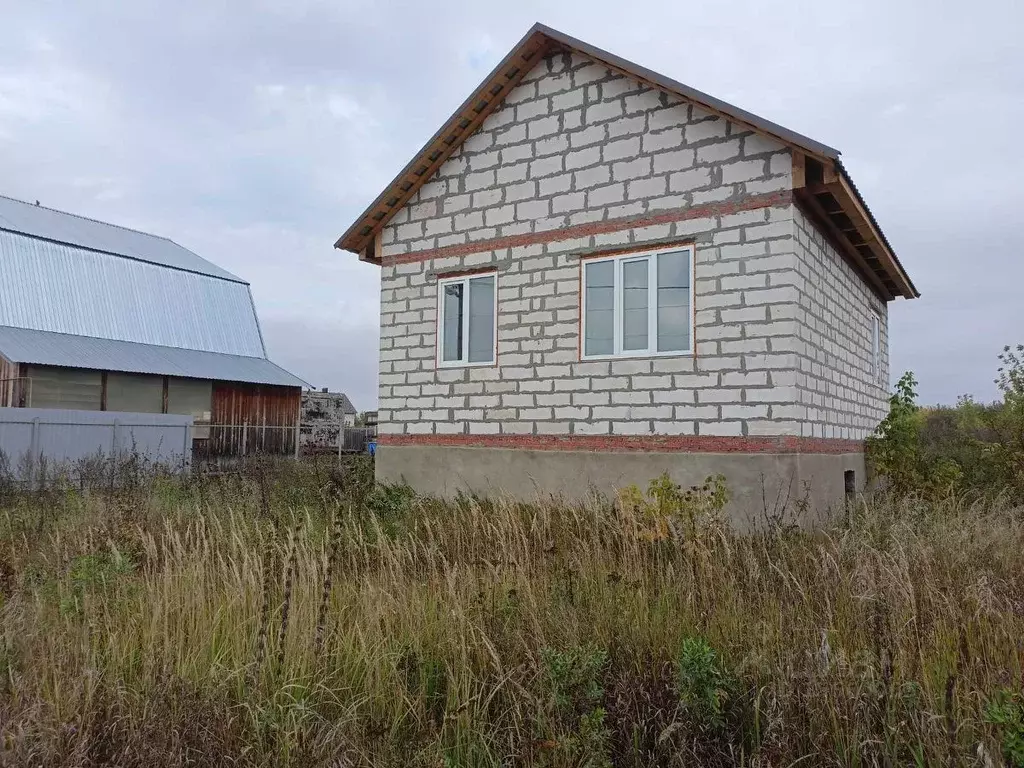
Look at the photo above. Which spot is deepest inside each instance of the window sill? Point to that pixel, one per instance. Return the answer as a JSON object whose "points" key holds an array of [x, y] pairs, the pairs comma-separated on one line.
{"points": [[636, 355], [449, 365]]}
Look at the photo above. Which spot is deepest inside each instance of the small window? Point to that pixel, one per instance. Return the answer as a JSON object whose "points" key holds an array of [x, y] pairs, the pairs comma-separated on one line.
{"points": [[638, 305], [876, 347], [466, 331]]}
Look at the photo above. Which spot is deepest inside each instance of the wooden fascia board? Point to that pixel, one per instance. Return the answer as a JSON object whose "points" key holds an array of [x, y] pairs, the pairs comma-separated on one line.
{"points": [[522, 58], [850, 200], [850, 204], [805, 197]]}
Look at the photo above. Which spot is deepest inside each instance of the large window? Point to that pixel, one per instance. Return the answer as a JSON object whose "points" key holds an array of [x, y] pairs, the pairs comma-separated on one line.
{"points": [[467, 309], [638, 304]]}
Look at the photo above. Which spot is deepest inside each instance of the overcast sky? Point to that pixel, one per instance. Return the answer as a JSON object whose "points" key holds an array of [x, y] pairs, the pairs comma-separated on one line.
{"points": [[254, 133]]}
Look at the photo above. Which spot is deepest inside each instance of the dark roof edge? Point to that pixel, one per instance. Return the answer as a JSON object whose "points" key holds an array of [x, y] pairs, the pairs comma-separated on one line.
{"points": [[224, 277], [88, 218], [23, 359], [878, 228], [691, 94]]}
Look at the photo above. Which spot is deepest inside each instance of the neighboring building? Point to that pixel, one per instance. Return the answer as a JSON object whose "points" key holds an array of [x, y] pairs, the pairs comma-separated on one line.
{"points": [[99, 317], [370, 419], [592, 274], [325, 415]]}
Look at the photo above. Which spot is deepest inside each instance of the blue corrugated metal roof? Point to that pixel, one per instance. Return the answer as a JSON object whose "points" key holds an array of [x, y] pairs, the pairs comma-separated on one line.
{"points": [[47, 286], [23, 345], [49, 224]]}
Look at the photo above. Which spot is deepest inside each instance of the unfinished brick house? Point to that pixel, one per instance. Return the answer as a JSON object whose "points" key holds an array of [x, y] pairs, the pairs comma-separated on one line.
{"points": [[592, 274]]}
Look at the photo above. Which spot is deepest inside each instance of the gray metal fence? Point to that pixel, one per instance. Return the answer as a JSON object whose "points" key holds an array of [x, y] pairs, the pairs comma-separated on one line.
{"points": [[56, 437]]}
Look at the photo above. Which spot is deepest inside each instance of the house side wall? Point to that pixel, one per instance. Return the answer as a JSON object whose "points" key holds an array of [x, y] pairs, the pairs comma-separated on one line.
{"points": [[579, 161], [839, 395]]}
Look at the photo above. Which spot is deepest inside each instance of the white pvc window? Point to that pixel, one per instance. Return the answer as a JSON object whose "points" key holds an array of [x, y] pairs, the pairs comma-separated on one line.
{"points": [[876, 347], [638, 304], [467, 320]]}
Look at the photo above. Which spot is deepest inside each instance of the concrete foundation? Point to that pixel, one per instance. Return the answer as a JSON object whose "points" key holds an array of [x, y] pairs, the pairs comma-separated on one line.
{"points": [[802, 488]]}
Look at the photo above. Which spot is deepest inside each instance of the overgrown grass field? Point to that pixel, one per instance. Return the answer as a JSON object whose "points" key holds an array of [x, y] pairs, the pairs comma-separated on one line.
{"points": [[293, 614]]}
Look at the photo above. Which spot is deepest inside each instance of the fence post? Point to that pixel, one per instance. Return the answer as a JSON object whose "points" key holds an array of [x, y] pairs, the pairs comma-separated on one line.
{"points": [[115, 441], [185, 449], [245, 430], [33, 449]]}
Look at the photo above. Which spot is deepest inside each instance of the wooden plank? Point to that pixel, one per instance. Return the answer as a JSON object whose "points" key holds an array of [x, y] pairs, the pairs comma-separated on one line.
{"points": [[849, 205], [165, 398], [799, 170], [842, 243], [848, 199], [828, 172], [103, 391]]}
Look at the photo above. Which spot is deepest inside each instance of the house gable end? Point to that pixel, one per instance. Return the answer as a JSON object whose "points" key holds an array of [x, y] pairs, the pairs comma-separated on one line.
{"points": [[577, 143]]}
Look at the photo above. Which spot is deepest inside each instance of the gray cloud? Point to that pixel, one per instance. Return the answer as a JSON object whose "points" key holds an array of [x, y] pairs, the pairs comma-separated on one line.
{"points": [[255, 132]]}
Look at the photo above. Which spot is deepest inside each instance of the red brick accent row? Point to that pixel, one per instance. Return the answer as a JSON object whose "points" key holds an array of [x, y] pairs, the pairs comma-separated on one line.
{"points": [[645, 443], [768, 200]]}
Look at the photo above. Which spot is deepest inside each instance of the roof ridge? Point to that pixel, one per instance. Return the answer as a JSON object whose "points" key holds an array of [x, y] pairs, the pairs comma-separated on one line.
{"points": [[89, 218]]}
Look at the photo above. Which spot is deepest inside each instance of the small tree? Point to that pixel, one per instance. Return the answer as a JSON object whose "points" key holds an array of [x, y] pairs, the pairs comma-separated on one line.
{"points": [[895, 450], [1009, 418]]}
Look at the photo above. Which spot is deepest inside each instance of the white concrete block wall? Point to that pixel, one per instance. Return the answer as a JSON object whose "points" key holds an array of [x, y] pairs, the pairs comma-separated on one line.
{"points": [[839, 395], [742, 380], [576, 145]]}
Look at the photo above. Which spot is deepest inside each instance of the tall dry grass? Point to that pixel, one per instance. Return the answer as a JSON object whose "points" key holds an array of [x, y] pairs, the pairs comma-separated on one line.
{"points": [[229, 622]]}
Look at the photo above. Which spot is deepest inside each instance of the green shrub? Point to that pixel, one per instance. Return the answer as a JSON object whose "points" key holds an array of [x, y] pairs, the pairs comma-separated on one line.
{"points": [[1006, 712], [971, 448], [573, 677], [666, 503], [705, 685]]}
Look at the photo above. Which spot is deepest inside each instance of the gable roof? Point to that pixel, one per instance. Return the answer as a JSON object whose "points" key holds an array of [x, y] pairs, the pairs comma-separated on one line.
{"points": [[81, 293], [69, 229], [821, 184]]}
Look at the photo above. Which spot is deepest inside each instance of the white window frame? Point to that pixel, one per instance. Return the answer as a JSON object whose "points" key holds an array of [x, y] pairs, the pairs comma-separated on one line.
{"points": [[876, 346], [439, 346], [652, 304]]}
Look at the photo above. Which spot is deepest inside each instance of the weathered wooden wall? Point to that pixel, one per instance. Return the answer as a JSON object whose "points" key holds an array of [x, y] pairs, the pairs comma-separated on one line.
{"points": [[13, 387], [253, 418]]}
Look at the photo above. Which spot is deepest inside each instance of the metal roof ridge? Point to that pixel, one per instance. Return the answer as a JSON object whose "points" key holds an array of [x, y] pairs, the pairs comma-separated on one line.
{"points": [[89, 218], [228, 277]]}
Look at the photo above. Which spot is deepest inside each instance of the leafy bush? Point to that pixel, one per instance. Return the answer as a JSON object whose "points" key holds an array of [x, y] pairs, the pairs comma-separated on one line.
{"points": [[667, 504], [574, 680], [972, 448], [705, 685], [1006, 712]]}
